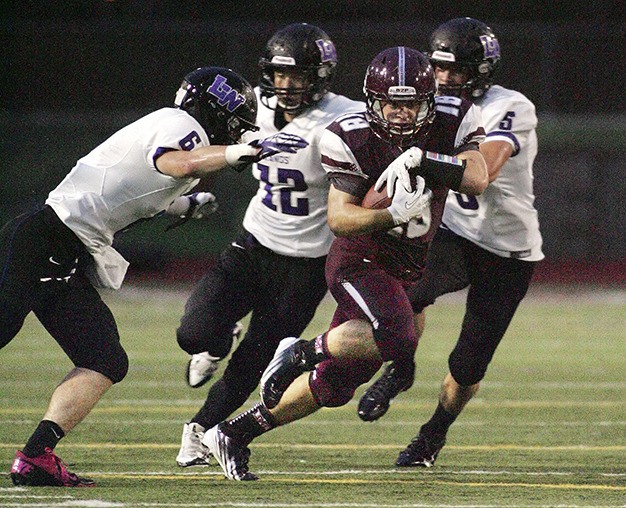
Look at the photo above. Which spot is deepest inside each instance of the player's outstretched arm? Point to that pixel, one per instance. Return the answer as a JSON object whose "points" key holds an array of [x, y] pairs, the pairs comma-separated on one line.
{"points": [[202, 161], [206, 160]]}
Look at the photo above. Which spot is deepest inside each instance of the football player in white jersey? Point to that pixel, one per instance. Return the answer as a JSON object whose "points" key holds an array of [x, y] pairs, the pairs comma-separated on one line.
{"points": [[488, 243], [275, 268], [53, 258]]}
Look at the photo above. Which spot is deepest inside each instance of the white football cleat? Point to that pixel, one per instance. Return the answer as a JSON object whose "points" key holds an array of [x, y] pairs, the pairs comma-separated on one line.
{"points": [[192, 452], [231, 455], [202, 366]]}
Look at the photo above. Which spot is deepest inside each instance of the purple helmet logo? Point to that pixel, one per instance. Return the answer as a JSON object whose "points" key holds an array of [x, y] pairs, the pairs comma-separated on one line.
{"points": [[491, 46], [327, 50], [226, 96]]}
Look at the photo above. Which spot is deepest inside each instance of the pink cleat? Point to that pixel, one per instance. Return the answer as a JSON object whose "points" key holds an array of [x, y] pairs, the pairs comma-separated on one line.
{"points": [[46, 470]]}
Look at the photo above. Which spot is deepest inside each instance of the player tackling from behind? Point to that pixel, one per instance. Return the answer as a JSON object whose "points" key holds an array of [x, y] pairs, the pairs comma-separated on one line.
{"points": [[53, 258], [378, 254], [488, 243]]}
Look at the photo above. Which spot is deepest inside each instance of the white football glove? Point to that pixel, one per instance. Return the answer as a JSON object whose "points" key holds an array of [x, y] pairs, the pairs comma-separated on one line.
{"points": [[399, 170], [419, 226], [191, 206], [406, 205], [237, 156]]}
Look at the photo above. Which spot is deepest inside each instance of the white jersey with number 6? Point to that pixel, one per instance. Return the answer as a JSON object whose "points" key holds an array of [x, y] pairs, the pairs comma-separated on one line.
{"points": [[117, 183], [288, 214], [503, 219]]}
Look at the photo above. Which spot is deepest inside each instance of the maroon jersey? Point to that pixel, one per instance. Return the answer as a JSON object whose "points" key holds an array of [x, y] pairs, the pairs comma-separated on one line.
{"points": [[354, 157]]}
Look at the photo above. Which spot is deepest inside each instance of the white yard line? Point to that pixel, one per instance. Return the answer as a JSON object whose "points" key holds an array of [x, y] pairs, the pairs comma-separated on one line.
{"points": [[256, 504]]}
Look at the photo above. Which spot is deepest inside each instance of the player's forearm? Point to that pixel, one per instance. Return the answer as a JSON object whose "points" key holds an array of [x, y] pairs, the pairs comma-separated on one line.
{"points": [[360, 222], [205, 160], [349, 219], [496, 153], [475, 177], [197, 163]]}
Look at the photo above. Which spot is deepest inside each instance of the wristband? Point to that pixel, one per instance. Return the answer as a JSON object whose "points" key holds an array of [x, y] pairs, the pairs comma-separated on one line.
{"points": [[233, 154], [442, 170]]}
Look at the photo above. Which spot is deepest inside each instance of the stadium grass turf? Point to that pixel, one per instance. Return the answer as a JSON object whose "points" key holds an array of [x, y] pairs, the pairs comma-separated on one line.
{"points": [[546, 428]]}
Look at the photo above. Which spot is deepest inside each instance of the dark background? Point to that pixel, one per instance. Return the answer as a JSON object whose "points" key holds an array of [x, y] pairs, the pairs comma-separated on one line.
{"points": [[74, 73]]}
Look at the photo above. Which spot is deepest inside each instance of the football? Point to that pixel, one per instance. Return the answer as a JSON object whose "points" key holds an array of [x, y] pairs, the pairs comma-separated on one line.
{"points": [[376, 199]]}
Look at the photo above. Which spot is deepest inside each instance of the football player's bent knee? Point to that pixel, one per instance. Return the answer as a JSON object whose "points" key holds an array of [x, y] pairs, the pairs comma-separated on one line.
{"points": [[467, 370], [115, 367], [186, 341], [194, 339], [396, 344], [333, 383]]}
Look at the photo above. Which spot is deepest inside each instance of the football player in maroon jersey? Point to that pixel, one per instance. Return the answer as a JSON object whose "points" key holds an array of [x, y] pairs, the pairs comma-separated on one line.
{"points": [[489, 244], [419, 147]]}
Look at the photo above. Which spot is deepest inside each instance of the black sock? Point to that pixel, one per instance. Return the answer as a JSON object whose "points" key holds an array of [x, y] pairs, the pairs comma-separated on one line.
{"points": [[224, 398], [439, 423], [46, 435], [315, 351], [252, 423]]}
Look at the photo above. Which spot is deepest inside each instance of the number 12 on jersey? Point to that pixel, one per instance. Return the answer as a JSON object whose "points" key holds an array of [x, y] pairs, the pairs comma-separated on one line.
{"points": [[282, 185]]}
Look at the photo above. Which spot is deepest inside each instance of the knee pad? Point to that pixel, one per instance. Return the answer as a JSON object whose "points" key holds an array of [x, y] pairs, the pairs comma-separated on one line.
{"points": [[120, 369], [467, 369], [114, 366], [194, 338], [474, 350], [396, 343], [334, 382], [186, 341]]}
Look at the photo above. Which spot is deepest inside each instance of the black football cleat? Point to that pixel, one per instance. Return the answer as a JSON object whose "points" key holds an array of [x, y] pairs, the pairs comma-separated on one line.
{"points": [[422, 451], [375, 402]]}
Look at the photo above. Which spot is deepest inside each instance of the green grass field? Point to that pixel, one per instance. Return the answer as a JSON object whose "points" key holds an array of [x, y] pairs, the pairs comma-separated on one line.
{"points": [[546, 429]]}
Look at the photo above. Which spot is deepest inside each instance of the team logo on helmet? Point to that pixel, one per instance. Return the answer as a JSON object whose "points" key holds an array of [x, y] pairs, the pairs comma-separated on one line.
{"points": [[328, 53], [491, 45], [226, 96]]}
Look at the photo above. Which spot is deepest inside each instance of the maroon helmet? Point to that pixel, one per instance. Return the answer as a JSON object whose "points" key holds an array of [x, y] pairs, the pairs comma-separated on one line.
{"points": [[400, 74]]}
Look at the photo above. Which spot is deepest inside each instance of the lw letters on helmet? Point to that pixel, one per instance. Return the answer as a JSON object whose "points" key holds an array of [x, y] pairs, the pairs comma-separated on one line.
{"points": [[226, 96]]}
